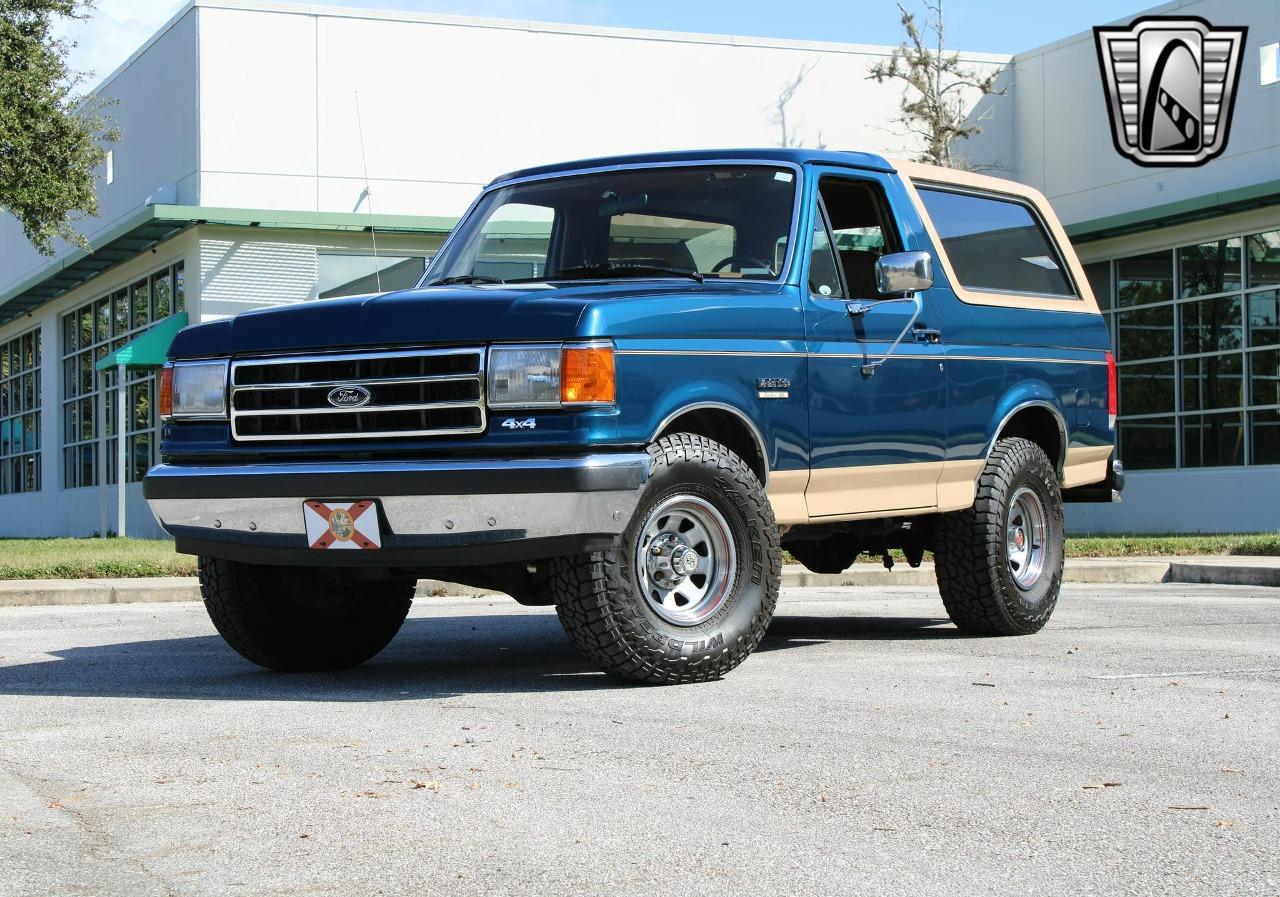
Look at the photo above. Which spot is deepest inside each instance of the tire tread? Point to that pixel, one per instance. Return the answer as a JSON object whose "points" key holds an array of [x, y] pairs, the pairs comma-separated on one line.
{"points": [[969, 556], [591, 587]]}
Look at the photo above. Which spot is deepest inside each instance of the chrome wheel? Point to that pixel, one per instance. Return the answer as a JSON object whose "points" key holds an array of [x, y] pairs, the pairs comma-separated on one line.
{"points": [[685, 560], [1025, 533]]}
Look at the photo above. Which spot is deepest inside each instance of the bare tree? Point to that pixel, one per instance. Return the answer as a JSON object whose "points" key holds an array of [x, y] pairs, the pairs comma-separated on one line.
{"points": [[789, 134], [933, 106]]}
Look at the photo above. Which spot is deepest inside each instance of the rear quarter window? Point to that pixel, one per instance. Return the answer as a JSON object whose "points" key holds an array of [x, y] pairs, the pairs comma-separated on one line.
{"points": [[997, 245]]}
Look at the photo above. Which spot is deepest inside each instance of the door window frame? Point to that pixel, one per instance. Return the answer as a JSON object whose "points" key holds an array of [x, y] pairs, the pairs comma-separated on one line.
{"points": [[888, 221], [820, 211]]}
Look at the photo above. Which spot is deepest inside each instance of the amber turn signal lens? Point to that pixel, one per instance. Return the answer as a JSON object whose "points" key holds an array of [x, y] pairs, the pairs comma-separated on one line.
{"points": [[586, 375], [166, 392]]}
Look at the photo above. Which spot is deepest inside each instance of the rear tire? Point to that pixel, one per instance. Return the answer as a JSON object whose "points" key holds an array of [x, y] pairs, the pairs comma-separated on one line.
{"points": [[999, 563], [637, 610], [299, 619]]}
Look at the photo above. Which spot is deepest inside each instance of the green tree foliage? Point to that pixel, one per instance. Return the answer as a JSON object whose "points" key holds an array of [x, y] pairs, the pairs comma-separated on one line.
{"points": [[934, 107], [51, 137]]}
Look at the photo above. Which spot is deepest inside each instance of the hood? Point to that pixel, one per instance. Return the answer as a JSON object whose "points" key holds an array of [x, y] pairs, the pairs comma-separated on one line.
{"points": [[434, 315], [463, 315]]}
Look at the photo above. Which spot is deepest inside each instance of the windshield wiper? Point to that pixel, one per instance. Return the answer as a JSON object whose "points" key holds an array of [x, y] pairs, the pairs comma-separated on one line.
{"points": [[466, 278], [609, 269]]}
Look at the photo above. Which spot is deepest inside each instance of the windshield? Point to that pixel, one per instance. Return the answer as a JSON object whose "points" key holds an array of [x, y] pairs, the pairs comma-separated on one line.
{"points": [[725, 221]]}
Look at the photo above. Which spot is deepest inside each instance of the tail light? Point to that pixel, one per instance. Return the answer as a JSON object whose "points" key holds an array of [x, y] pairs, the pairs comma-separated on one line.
{"points": [[166, 392], [1113, 402]]}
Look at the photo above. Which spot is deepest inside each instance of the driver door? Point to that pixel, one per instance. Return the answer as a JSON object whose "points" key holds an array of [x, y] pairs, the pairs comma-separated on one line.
{"points": [[877, 441]]}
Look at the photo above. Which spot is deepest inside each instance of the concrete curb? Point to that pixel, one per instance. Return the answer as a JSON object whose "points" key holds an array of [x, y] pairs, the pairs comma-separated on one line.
{"points": [[1225, 571], [153, 590], [1199, 570]]}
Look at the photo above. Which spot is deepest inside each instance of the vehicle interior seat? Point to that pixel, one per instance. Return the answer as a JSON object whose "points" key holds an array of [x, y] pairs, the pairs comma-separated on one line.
{"points": [[860, 272], [652, 253], [854, 208]]}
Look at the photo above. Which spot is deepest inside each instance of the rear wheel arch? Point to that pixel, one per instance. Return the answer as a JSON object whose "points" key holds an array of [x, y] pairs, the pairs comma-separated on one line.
{"points": [[724, 424], [1038, 421]]}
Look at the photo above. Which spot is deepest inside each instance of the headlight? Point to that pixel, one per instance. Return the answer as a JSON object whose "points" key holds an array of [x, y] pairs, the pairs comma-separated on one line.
{"points": [[194, 389], [551, 376], [524, 376]]}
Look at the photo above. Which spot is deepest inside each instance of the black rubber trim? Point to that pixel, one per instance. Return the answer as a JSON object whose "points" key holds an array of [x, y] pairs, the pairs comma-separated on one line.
{"points": [[420, 552], [502, 477]]}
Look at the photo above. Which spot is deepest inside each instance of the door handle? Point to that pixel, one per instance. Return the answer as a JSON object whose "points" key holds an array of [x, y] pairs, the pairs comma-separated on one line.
{"points": [[927, 334]]}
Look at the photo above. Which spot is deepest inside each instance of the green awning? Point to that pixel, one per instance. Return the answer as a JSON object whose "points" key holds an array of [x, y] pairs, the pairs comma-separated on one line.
{"points": [[150, 349], [151, 225]]}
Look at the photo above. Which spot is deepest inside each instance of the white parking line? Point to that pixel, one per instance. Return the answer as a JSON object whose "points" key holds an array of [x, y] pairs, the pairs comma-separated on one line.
{"points": [[1176, 674]]}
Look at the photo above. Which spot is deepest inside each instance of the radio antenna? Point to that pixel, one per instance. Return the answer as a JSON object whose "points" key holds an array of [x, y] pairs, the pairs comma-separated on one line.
{"points": [[368, 196]]}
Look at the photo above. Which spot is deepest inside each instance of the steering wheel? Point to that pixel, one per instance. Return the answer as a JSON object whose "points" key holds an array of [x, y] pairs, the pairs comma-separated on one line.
{"points": [[749, 261]]}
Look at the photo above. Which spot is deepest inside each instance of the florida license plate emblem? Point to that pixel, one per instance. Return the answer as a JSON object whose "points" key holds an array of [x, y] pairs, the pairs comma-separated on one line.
{"points": [[337, 524]]}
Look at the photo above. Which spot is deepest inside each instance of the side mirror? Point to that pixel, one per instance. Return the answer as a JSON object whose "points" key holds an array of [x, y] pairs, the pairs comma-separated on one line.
{"points": [[904, 272]]}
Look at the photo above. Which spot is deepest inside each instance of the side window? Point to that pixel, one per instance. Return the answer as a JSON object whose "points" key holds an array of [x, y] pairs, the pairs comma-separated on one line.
{"points": [[996, 244], [862, 229], [824, 277]]}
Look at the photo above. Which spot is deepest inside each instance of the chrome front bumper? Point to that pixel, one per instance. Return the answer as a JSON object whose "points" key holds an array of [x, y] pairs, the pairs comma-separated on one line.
{"points": [[431, 513]]}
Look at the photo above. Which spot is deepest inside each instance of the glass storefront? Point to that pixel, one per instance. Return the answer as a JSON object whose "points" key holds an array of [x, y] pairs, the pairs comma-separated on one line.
{"points": [[89, 333], [1196, 331]]}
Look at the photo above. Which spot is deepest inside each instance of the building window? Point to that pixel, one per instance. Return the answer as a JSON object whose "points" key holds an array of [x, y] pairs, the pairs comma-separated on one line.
{"points": [[89, 334], [1269, 64], [20, 413], [1196, 331], [357, 275]]}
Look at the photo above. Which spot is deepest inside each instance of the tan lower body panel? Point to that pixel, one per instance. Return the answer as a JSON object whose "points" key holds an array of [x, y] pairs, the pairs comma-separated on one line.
{"points": [[873, 488], [959, 483], [1085, 464], [786, 494], [828, 495]]}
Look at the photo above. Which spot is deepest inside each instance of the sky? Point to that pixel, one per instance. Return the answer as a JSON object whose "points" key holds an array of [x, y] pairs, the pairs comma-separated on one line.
{"points": [[118, 27]]}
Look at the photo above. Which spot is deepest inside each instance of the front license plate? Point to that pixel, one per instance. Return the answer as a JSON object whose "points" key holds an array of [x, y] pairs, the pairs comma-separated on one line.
{"points": [[342, 524]]}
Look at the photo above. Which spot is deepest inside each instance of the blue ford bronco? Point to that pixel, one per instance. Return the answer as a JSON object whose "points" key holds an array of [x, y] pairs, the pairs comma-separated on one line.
{"points": [[626, 385]]}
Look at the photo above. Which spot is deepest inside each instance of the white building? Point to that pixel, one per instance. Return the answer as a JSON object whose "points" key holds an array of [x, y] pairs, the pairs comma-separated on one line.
{"points": [[1188, 261], [262, 141]]}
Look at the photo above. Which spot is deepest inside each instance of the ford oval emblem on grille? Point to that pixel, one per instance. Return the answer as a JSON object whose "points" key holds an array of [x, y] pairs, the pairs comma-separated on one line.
{"points": [[349, 396]]}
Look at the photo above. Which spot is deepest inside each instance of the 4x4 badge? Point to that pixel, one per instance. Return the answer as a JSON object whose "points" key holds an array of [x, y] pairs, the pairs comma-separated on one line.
{"points": [[1170, 85]]}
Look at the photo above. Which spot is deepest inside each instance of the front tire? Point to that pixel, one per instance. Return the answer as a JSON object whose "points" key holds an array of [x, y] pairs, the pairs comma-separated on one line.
{"points": [[298, 619], [999, 563], [687, 592]]}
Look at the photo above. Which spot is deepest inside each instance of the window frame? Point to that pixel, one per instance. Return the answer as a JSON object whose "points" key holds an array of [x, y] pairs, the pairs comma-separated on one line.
{"points": [[1249, 406], [820, 212], [800, 186], [14, 381], [101, 402], [1036, 219], [915, 176]]}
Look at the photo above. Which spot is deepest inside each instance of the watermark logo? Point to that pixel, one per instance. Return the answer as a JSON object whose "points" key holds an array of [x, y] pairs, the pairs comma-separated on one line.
{"points": [[1170, 85]]}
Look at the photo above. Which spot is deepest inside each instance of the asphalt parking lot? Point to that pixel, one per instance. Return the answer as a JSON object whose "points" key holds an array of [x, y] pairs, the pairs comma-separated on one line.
{"points": [[1131, 747]]}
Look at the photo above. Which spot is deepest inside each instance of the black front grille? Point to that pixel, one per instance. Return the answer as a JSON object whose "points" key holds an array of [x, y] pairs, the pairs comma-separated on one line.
{"points": [[431, 392], [348, 368]]}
